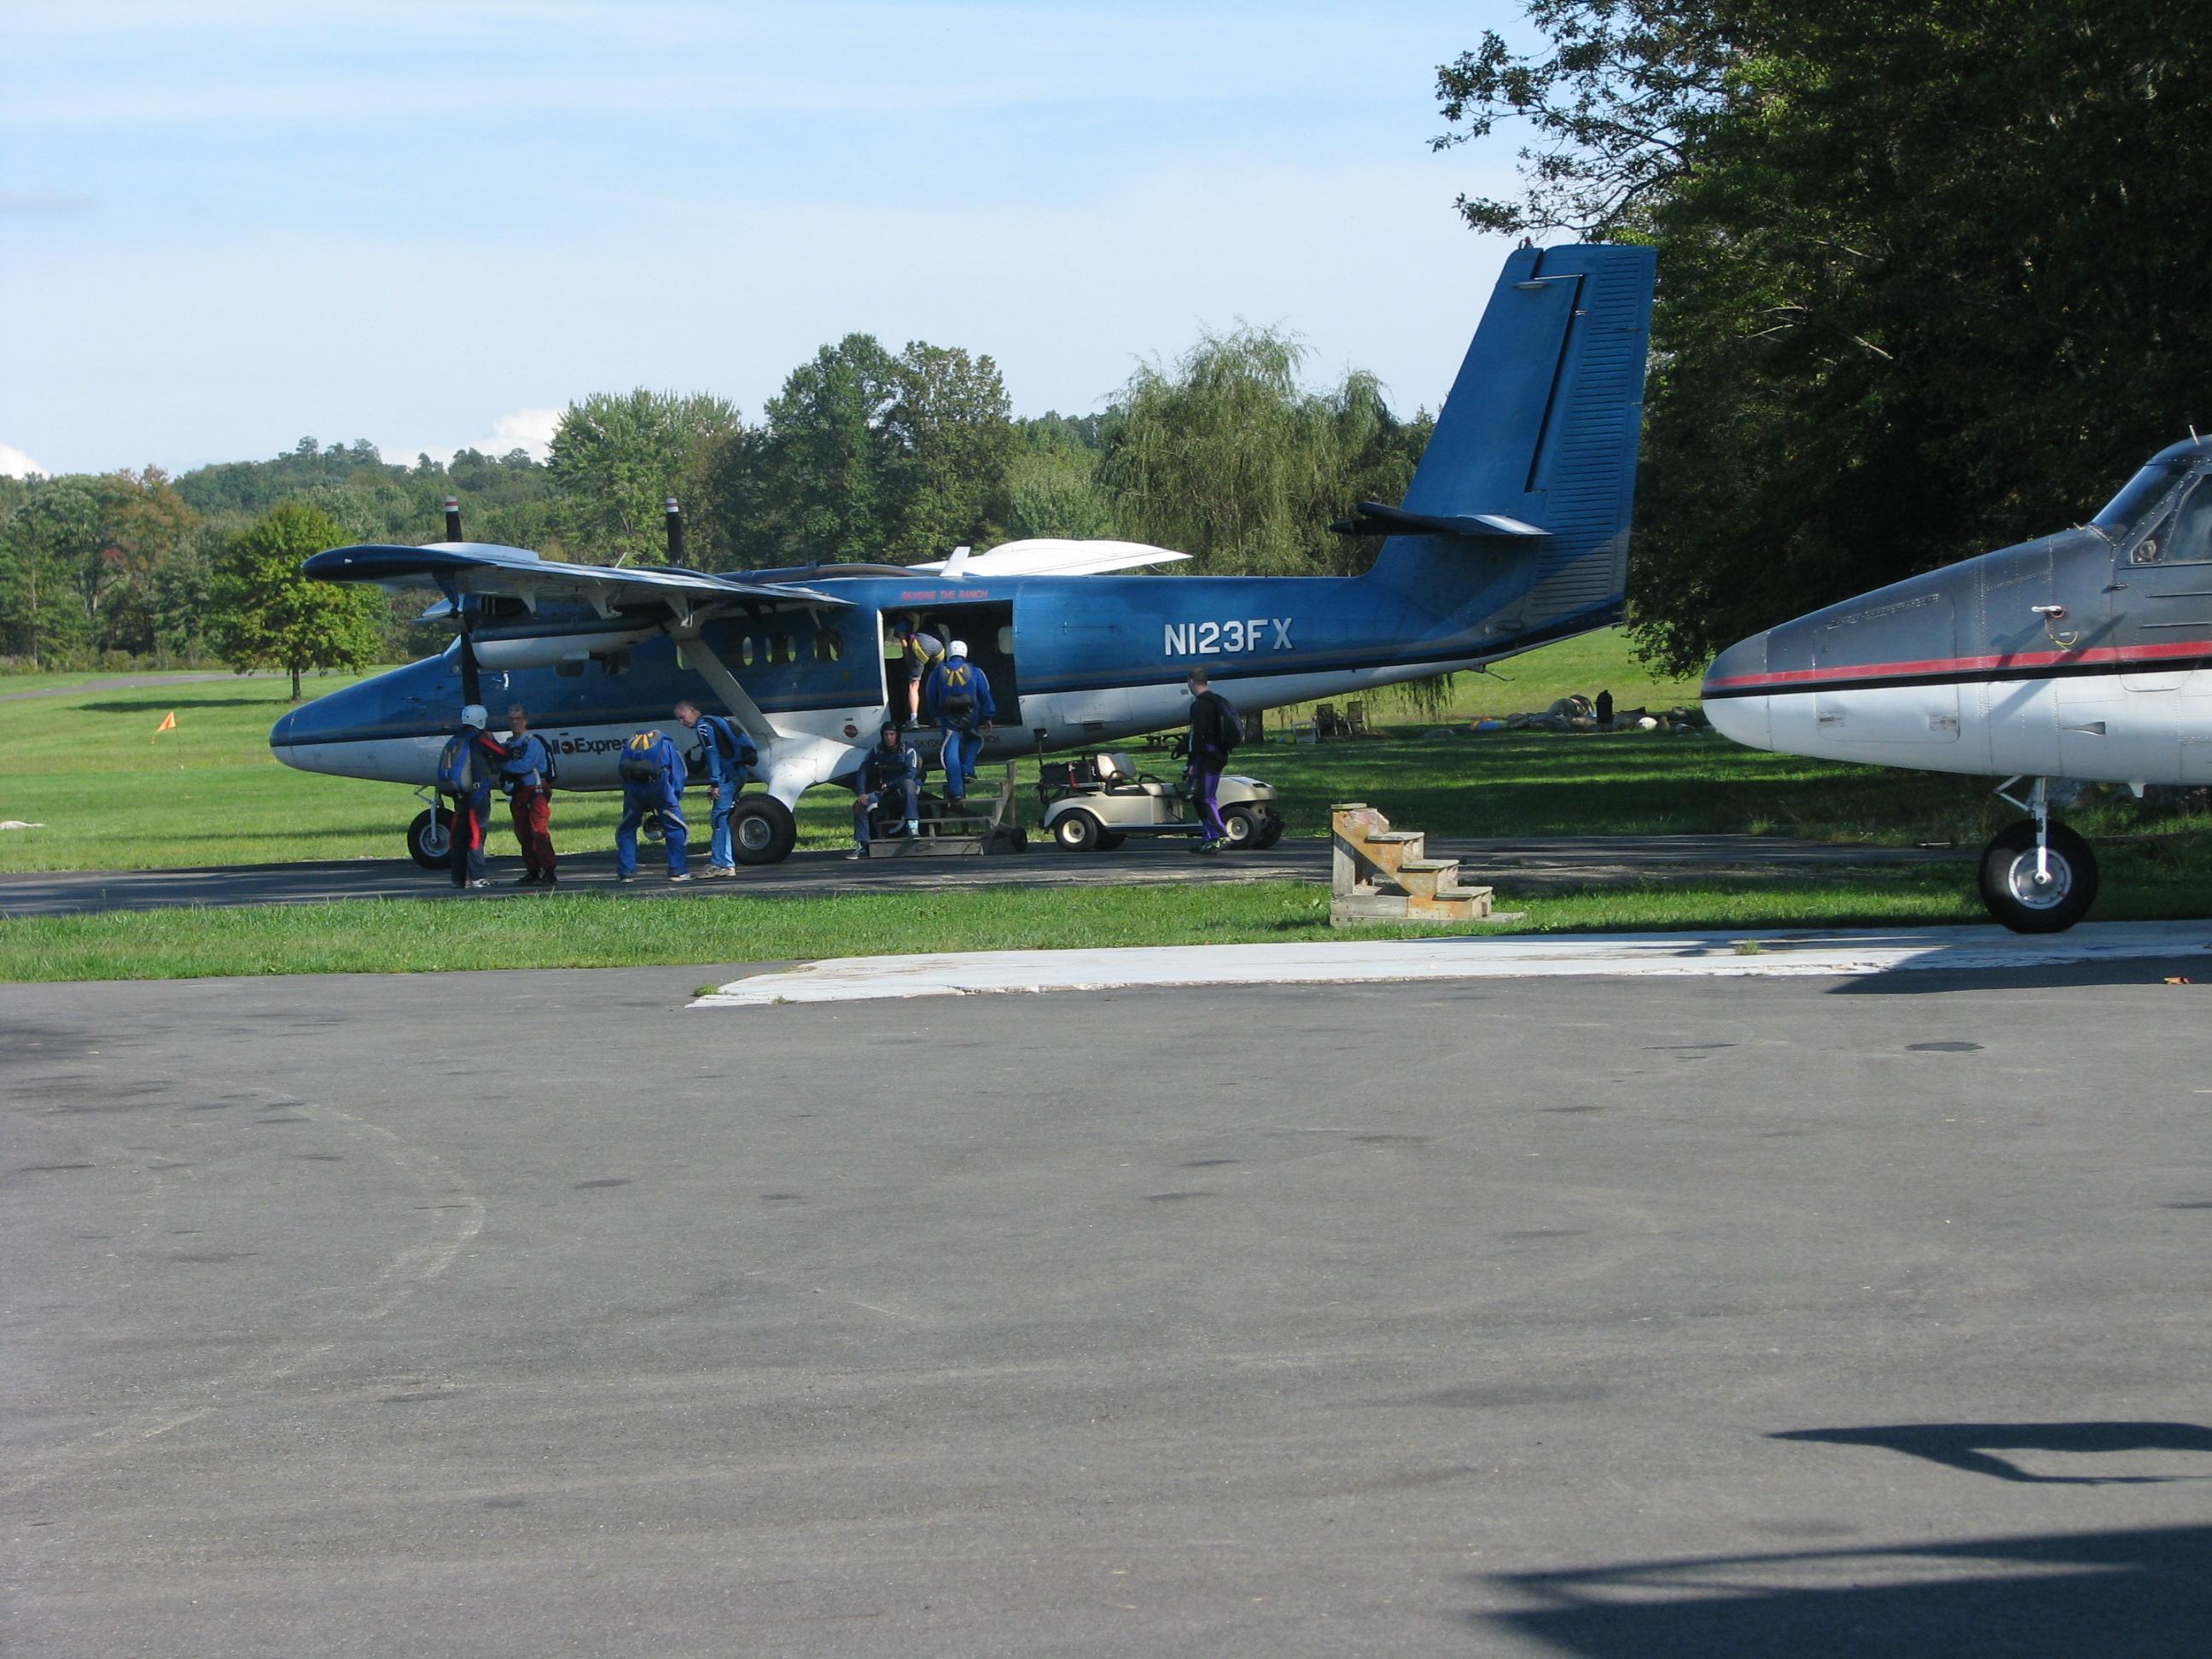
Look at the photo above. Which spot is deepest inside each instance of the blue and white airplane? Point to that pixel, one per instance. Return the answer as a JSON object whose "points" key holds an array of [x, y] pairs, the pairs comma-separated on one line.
{"points": [[1514, 532]]}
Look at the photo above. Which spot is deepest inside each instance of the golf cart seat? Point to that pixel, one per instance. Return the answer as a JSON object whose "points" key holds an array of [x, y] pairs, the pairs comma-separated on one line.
{"points": [[1113, 773]]}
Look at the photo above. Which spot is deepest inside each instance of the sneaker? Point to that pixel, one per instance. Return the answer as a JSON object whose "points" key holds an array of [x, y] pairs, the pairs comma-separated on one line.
{"points": [[529, 880], [625, 880], [857, 853], [914, 826], [716, 872], [1207, 846], [680, 876], [480, 882], [549, 879]]}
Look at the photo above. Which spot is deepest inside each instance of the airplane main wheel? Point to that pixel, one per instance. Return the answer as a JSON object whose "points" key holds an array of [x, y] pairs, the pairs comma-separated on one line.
{"points": [[2022, 902], [430, 839], [762, 830], [1079, 831]]}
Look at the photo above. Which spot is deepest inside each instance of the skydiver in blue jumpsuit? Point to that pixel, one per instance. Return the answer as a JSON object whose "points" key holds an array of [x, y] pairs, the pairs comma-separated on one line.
{"points": [[730, 758], [652, 770], [960, 701]]}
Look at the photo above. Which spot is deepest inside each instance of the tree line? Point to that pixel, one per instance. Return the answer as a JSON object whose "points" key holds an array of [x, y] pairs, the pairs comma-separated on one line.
{"points": [[864, 454], [1929, 274]]}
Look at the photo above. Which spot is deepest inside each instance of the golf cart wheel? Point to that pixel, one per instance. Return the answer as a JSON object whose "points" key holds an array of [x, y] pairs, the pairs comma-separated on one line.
{"points": [[430, 838], [1079, 831], [1242, 828], [2022, 902], [1108, 840], [762, 830], [1271, 831]]}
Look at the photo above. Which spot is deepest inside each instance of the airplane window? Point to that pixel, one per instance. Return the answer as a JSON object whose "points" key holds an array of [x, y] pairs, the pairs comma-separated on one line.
{"points": [[1006, 641], [2188, 534], [828, 647], [746, 650], [2127, 509], [779, 648]]}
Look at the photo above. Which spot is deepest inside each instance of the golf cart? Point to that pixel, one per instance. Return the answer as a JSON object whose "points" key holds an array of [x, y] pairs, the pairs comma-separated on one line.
{"points": [[1095, 802]]}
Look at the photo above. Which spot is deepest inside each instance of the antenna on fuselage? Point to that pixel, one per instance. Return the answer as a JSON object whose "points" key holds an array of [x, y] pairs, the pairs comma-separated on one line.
{"points": [[675, 530]]}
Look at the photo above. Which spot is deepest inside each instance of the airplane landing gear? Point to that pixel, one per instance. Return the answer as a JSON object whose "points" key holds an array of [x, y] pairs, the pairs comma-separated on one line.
{"points": [[2038, 876], [761, 830], [430, 838]]}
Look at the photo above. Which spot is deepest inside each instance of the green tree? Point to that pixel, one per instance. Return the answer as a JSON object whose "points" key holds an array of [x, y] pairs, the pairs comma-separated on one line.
{"points": [[809, 485], [1225, 457], [1919, 296], [268, 614], [949, 436], [143, 522], [1054, 490], [52, 536], [617, 457], [867, 456]]}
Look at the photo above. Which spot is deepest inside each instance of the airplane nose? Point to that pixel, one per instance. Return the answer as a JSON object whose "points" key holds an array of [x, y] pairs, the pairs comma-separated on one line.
{"points": [[283, 735], [1734, 692]]}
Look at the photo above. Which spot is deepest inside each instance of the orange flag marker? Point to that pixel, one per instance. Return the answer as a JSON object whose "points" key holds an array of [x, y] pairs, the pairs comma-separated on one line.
{"points": [[168, 722]]}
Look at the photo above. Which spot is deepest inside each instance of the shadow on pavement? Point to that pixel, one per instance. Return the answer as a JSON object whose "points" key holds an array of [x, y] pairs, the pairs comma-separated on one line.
{"points": [[2048, 976], [1972, 1446], [2138, 1592]]}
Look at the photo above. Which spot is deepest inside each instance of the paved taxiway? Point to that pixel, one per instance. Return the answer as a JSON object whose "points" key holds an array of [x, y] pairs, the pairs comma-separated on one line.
{"points": [[1529, 864], [533, 1314]]}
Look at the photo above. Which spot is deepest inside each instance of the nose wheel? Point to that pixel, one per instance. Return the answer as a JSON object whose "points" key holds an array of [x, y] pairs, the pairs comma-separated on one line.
{"points": [[2038, 876]]}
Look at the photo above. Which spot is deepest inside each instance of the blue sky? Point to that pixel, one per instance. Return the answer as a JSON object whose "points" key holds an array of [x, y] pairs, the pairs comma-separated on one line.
{"points": [[228, 223]]}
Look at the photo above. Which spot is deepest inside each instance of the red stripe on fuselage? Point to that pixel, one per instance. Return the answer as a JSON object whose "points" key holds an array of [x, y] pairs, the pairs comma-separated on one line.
{"points": [[1883, 671]]}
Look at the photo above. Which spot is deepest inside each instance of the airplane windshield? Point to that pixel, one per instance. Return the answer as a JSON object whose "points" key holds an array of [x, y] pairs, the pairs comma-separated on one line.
{"points": [[2127, 509]]}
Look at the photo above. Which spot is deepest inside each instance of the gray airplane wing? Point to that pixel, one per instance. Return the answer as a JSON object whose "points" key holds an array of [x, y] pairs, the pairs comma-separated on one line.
{"points": [[487, 568]]}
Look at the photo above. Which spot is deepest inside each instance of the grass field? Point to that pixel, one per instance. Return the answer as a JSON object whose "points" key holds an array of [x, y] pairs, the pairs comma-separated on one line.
{"points": [[1595, 662], [592, 931], [113, 792]]}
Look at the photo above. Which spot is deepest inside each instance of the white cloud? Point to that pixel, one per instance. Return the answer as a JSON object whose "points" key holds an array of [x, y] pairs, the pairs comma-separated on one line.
{"points": [[530, 429], [15, 464], [527, 428]]}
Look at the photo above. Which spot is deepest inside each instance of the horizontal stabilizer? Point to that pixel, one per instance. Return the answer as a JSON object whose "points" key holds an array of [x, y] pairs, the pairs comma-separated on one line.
{"points": [[1374, 518], [1053, 556]]}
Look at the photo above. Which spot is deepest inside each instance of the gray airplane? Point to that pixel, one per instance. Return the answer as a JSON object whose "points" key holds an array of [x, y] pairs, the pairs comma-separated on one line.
{"points": [[2086, 655]]}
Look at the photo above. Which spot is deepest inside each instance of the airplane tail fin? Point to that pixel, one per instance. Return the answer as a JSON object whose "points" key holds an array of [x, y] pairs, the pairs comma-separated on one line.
{"points": [[1522, 499]]}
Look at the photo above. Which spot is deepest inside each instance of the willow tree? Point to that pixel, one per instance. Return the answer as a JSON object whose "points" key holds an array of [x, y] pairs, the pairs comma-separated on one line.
{"points": [[1223, 455]]}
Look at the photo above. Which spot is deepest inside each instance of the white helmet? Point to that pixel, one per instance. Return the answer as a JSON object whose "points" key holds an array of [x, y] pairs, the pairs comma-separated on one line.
{"points": [[957, 648], [474, 715]]}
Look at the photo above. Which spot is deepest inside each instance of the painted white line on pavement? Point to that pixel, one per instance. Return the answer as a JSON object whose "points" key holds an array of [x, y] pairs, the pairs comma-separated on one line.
{"points": [[1863, 951]]}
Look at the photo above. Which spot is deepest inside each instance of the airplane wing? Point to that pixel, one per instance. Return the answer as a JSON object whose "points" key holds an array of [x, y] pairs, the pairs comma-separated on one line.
{"points": [[1052, 556], [485, 567]]}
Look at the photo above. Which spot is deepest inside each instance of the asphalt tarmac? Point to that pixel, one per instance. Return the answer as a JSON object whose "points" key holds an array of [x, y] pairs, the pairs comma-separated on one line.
{"points": [[1529, 864], [528, 1314]]}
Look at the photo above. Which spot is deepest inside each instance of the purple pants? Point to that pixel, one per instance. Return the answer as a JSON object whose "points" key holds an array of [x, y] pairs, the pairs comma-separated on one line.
{"points": [[1205, 781]]}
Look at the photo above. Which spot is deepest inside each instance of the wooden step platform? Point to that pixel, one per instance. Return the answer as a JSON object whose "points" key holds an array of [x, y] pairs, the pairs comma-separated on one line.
{"points": [[1382, 874], [980, 831]]}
